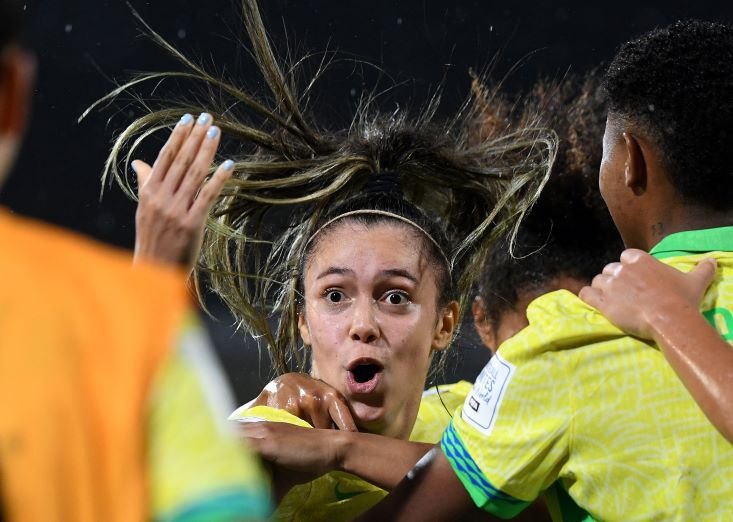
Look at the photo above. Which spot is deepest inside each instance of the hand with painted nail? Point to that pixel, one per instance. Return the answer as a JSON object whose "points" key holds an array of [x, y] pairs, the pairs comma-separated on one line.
{"points": [[174, 196]]}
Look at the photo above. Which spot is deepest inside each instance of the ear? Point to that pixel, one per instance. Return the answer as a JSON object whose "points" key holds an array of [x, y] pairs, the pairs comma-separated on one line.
{"points": [[446, 327], [483, 327], [305, 333], [17, 70], [635, 170]]}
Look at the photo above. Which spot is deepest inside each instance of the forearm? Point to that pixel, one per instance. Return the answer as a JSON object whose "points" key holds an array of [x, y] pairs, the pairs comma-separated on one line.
{"points": [[382, 461], [431, 491], [701, 358]]}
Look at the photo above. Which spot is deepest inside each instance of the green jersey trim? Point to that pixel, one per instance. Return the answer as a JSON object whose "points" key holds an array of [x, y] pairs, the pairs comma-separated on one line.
{"points": [[224, 506], [562, 507], [483, 494], [694, 242]]}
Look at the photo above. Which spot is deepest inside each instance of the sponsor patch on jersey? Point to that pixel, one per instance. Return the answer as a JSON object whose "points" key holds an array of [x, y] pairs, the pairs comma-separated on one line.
{"points": [[482, 404]]}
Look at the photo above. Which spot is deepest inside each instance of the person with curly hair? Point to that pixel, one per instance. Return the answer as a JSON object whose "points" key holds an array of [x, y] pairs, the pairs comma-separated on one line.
{"points": [[566, 238], [573, 399]]}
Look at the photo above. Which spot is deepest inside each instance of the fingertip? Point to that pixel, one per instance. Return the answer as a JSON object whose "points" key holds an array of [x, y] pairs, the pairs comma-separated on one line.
{"points": [[590, 296], [185, 120], [631, 255]]}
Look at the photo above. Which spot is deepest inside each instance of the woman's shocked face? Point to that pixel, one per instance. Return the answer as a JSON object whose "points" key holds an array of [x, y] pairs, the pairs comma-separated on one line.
{"points": [[372, 318]]}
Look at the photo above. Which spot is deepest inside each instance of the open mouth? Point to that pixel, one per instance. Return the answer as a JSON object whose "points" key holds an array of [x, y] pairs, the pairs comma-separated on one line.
{"points": [[365, 372], [364, 375]]}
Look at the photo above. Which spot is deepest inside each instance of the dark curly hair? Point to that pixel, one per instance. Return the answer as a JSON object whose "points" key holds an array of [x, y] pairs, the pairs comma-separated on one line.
{"points": [[569, 231], [676, 84]]}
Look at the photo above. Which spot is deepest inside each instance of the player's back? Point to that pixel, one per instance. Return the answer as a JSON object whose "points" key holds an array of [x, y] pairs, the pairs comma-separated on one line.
{"points": [[82, 335]]}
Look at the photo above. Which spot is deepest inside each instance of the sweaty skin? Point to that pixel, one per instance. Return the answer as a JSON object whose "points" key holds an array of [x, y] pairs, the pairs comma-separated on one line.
{"points": [[654, 301]]}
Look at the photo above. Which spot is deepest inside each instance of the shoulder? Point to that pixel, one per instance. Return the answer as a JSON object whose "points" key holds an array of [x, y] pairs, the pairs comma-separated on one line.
{"points": [[39, 256], [558, 322]]}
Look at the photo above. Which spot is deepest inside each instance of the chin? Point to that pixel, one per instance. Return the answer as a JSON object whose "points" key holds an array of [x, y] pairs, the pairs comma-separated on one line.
{"points": [[369, 418]]}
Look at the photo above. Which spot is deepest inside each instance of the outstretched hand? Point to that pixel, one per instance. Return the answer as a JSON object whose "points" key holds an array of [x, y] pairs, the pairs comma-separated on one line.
{"points": [[174, 200], [307, 398], [629, 292]]}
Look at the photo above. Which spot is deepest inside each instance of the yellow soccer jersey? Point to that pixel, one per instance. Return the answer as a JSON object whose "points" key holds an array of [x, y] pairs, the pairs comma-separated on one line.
{"points": [[339, 496], [571, 400], [199, 469]]}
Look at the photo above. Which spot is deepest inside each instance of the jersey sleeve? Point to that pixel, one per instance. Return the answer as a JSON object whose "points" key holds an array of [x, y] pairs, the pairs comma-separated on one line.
{"points": [[199, 470], [510, 439]]}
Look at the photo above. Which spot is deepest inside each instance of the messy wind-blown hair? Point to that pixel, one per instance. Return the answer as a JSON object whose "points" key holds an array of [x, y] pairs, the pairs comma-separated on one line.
{"points": [[569, 231], [290, 174]]}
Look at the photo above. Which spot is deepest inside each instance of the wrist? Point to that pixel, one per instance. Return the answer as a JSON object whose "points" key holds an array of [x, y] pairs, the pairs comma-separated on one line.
{"points": [[343, 443], [667, 316]]}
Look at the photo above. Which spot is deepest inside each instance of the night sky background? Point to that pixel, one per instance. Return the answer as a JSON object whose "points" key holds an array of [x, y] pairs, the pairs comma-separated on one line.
{"points": [[85, 46]]}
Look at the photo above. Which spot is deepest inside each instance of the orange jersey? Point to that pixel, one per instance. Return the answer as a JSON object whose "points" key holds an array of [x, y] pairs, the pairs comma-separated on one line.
{"points": [[82, 335]]}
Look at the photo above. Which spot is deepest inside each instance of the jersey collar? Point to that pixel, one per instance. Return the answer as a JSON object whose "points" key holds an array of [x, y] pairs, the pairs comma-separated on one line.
{"points": [[695, 242]]}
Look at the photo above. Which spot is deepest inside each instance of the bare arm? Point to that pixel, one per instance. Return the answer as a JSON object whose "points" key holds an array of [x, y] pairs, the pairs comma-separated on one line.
{"points": [[431, 491], [655, 301], [382, 461]]}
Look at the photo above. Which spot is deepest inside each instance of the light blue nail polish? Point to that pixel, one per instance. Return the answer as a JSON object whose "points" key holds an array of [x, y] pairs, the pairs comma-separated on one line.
{"points": [[212, 133], [185, 119], [204, 118], [228, 165]]}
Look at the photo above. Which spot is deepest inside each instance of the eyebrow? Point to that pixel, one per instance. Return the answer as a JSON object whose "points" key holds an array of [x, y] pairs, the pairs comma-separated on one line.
{"points": [[390, 272], [400, 272], [334, 270]]}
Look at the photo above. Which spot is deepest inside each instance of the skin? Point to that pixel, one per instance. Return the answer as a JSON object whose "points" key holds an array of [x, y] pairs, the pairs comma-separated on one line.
{"points": [[17, 71], [174, 197], [643, 203], [645, 208], [654, 301], [370, 293], [378, 460]]}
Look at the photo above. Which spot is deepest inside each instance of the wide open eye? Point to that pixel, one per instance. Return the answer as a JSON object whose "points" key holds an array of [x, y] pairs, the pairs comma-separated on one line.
{"points": [[334, 296], [396, 297]]}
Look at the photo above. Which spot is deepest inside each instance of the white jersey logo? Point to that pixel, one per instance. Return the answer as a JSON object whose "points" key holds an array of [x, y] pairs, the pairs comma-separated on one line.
{"points": [[482, 404]]}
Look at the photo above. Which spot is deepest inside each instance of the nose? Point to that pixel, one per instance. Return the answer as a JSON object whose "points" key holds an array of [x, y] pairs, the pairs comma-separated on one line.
{"points": [[364, 327]]}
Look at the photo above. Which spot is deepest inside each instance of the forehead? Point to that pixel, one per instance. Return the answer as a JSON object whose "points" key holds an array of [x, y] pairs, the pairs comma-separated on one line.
{"points": [[367, 247]]}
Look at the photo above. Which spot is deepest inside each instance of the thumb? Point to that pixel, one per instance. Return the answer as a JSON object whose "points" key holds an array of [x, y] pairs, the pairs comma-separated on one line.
{"points": [[703, 274], [142, 171]]}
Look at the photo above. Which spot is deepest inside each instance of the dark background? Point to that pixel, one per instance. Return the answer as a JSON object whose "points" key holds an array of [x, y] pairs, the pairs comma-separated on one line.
{"points": [[84, 46]]}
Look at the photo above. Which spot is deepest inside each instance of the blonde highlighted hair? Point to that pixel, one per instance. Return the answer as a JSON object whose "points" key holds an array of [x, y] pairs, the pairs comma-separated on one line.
{"points": [[289, 175]]}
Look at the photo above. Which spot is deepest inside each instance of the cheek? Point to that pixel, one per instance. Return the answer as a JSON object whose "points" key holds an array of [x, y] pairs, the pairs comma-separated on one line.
{"points": [[411, 345], [326, 338]]}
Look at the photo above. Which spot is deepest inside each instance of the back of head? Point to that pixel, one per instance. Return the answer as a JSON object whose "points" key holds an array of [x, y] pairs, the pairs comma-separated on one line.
{"points": [[569, 232], [675, 85]]}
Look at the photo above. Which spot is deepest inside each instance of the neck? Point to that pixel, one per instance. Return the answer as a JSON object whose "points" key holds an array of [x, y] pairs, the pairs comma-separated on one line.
{"points": [[682, 218]]}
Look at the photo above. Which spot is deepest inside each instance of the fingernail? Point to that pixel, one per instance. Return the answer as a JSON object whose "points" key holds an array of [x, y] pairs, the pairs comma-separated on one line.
{"points": [[204, 118], [132, 166], [185, 119], [212, 133], [228, 165]]}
